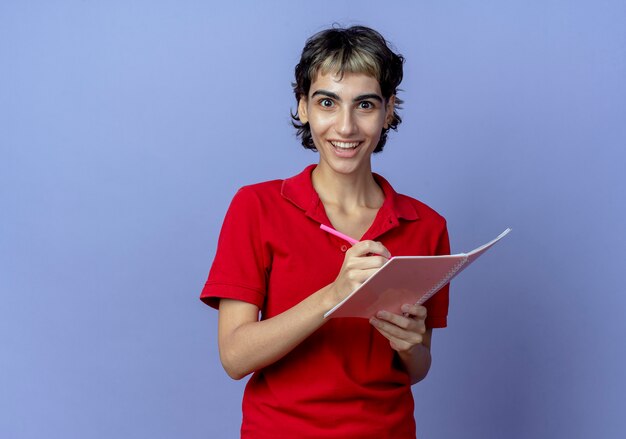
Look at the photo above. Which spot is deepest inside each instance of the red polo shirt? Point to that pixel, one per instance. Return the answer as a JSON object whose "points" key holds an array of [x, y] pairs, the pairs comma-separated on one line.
{"points": [[343, 381]]}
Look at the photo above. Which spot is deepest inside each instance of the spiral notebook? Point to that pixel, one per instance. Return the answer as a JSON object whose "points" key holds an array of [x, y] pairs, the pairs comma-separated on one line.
{"points": [[406, 279]]}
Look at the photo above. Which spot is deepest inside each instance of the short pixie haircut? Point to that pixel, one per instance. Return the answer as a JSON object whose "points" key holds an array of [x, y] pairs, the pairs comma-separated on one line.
{"points": [[357, 49]]}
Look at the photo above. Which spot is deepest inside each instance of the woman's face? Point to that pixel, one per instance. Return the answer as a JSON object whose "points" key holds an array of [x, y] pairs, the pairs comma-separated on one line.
{"points": [[346, 115]]}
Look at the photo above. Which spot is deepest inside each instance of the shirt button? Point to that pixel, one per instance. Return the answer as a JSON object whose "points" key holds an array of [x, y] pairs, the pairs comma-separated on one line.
{"points": [[344, 248]]}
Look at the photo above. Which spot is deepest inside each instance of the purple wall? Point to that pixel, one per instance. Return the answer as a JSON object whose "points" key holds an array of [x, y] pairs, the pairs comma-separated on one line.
{"points": [[126, 127]]}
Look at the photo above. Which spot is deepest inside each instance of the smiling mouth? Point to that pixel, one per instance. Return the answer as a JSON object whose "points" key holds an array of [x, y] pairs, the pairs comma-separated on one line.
{"points": [[345, 146]]}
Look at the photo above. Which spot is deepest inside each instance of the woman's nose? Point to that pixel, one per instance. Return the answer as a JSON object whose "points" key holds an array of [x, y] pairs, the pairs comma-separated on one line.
{"points": [[346, 124]]}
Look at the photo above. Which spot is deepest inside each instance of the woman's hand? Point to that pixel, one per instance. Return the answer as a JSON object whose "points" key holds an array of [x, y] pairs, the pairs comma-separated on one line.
{"points": [[405, 331], [408, 336], [360, 262]]}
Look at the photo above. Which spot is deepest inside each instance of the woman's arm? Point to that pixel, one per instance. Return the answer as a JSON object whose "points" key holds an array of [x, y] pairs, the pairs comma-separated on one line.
{"points": [[247, 344], [408, 336]]}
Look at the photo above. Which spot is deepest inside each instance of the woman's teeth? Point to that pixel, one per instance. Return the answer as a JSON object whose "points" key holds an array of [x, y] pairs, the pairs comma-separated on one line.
{"points": [[345, 145]]}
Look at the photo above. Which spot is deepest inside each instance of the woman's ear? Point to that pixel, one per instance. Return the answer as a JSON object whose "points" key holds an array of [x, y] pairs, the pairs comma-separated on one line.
{"points": [[302, 112], [391, 106]]}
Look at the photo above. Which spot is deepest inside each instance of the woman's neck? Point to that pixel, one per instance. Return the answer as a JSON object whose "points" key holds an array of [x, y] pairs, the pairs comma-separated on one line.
{"points": [[348, 191]]}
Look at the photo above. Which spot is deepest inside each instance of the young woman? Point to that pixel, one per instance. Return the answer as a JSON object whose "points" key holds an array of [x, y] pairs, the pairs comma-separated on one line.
{"points": [[276, 272]]}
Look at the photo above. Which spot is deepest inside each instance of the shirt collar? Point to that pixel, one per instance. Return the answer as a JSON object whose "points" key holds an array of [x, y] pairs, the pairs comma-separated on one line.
{"points": [[299, 190]]}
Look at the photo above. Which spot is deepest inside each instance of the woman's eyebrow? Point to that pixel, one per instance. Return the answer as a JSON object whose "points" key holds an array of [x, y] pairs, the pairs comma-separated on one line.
{"points": [[356, 99], [327, 94], [368, 96]]}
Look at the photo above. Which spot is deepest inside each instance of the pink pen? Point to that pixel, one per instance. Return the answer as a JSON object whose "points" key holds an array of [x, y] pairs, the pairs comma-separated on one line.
{"points": [[338, 234], [332, 231]]}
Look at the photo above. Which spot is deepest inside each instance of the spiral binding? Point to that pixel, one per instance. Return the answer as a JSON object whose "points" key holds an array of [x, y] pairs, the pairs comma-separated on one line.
{"points": [[444, 280]]}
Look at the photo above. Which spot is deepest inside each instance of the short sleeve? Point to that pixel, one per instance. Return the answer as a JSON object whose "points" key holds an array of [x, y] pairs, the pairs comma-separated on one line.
{"points": [[240, 267], [437, 306]]}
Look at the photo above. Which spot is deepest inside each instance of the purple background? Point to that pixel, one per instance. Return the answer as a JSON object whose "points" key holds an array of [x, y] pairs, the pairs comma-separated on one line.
{"points": [[127, 126]]}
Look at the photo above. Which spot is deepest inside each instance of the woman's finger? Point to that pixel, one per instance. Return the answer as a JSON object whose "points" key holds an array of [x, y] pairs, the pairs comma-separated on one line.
{"points": [[369, 247]]}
